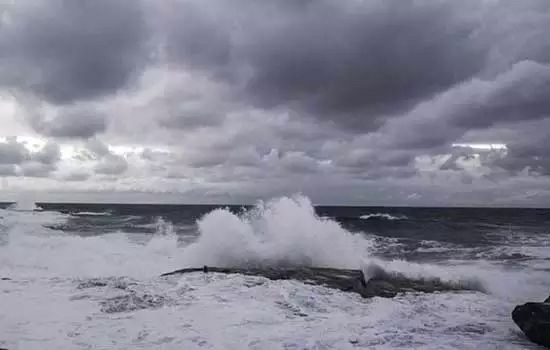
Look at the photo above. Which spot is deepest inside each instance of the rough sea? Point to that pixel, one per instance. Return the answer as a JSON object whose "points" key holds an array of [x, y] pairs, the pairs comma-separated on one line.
{"points": [[86, 276]]}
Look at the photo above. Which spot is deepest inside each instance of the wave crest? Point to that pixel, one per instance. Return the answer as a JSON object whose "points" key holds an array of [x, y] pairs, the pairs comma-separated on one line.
{"points": [[382, 216], [282, 232]]}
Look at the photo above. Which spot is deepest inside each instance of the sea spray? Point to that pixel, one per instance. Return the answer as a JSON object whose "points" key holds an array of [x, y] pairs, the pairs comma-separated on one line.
{"points": [[284, 231]]}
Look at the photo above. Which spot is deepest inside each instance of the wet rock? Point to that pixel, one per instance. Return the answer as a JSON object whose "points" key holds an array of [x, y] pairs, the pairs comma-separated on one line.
{"points": [[382, 284], [534, 320]]}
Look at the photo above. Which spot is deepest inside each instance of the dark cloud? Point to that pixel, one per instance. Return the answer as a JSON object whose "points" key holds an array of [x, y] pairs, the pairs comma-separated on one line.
{"points": [[77, 176], [348, 62], [518, 95], [251, 99], [37, 169], [531, 154], [64, 51], [50, 154], [111, 164], [7, 170], [78, 123], [13, 152], [186, 118]]}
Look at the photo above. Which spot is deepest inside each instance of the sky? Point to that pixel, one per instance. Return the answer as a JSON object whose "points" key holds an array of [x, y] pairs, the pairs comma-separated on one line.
{"points": [[359, 102]]}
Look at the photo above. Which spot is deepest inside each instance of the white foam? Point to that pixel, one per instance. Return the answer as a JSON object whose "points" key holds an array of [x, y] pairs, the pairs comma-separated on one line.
{"points": [[43, 308], [285, 231], [24, 205], [91, 213], [383, 216], [238, 312], [33, 250]]}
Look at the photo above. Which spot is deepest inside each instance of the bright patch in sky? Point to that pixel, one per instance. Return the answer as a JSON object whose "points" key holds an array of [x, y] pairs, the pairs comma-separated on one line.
{"points": [[482, 146]]}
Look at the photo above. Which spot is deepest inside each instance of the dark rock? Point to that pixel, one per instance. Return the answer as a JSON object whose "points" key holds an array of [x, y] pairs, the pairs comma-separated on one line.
{"points": [[534, 320], [382, 284], [5, 279]]}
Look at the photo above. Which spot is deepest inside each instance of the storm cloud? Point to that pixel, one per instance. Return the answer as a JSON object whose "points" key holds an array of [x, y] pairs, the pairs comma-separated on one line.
{"points": [[351, 101], [65, 51]]}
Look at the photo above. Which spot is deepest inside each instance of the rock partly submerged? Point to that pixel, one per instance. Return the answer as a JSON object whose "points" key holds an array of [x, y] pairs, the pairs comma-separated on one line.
{"points": [[380, 284], [534, 320]]}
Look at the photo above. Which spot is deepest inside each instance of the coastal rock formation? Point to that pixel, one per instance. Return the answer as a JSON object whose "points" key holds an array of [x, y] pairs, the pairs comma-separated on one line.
{"points": [[534, 320], [381, 284]]}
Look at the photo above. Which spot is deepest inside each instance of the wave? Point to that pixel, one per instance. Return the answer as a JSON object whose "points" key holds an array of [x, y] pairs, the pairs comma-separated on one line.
{"points": [[91, 213], [24, 206], [383, 216], [282, 232], [376, 268]]}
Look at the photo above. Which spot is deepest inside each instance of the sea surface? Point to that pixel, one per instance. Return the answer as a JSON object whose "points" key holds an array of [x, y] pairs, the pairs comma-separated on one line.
{"points": [[86, 276]]}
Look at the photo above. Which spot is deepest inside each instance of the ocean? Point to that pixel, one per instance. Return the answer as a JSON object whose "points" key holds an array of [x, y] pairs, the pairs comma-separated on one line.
{"points": [[86, 276]]}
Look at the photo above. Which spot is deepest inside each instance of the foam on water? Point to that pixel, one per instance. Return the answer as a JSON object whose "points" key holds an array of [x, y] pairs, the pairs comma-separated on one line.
{"points": [[71, 292], [33, 250], [91, 213], [383, 216]]}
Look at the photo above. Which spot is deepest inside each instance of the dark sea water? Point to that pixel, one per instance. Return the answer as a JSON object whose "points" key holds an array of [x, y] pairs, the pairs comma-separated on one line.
{"points": [[86, 276]]}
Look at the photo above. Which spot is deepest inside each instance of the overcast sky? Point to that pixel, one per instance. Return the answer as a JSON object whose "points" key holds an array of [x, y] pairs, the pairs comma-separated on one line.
{"points": [[369, 102]]}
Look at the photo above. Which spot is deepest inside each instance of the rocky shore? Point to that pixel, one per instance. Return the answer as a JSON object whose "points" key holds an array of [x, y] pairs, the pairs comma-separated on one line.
{"points": [[379, 283]]}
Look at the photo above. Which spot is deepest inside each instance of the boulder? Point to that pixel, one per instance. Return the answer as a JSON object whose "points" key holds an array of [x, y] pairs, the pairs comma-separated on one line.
{"points": [[348, 280], [534, 320]]}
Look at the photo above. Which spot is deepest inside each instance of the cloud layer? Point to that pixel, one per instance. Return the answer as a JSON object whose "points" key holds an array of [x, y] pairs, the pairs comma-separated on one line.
{"points": [[349, 102]]}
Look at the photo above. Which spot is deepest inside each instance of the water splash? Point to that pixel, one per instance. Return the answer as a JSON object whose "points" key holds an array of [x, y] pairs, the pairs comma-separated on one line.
{"points": [[284, 231], [24, 205]]}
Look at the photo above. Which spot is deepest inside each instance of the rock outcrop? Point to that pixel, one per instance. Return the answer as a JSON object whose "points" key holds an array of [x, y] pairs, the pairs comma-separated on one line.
{"points": [[382, 284], [534, 320]]}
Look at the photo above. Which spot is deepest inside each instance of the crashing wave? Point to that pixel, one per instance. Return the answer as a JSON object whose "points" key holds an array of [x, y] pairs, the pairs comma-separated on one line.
{"points": [[283, 232], [24, 206]]}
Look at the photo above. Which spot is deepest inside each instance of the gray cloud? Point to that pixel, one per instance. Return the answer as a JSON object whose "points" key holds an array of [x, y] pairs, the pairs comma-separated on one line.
{"points": [[77, 176], [80, 123], [7, 170], [64, 51], [50, 154], [517, 95], [352, 61], [13, 152], [37, 169], [251, 99], [97, 149], [111, 164]]}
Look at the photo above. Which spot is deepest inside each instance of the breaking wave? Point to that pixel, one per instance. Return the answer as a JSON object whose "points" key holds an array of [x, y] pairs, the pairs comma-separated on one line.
{"points": [[385, 216], [24, 206], [284, 231], [287, 232]]}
